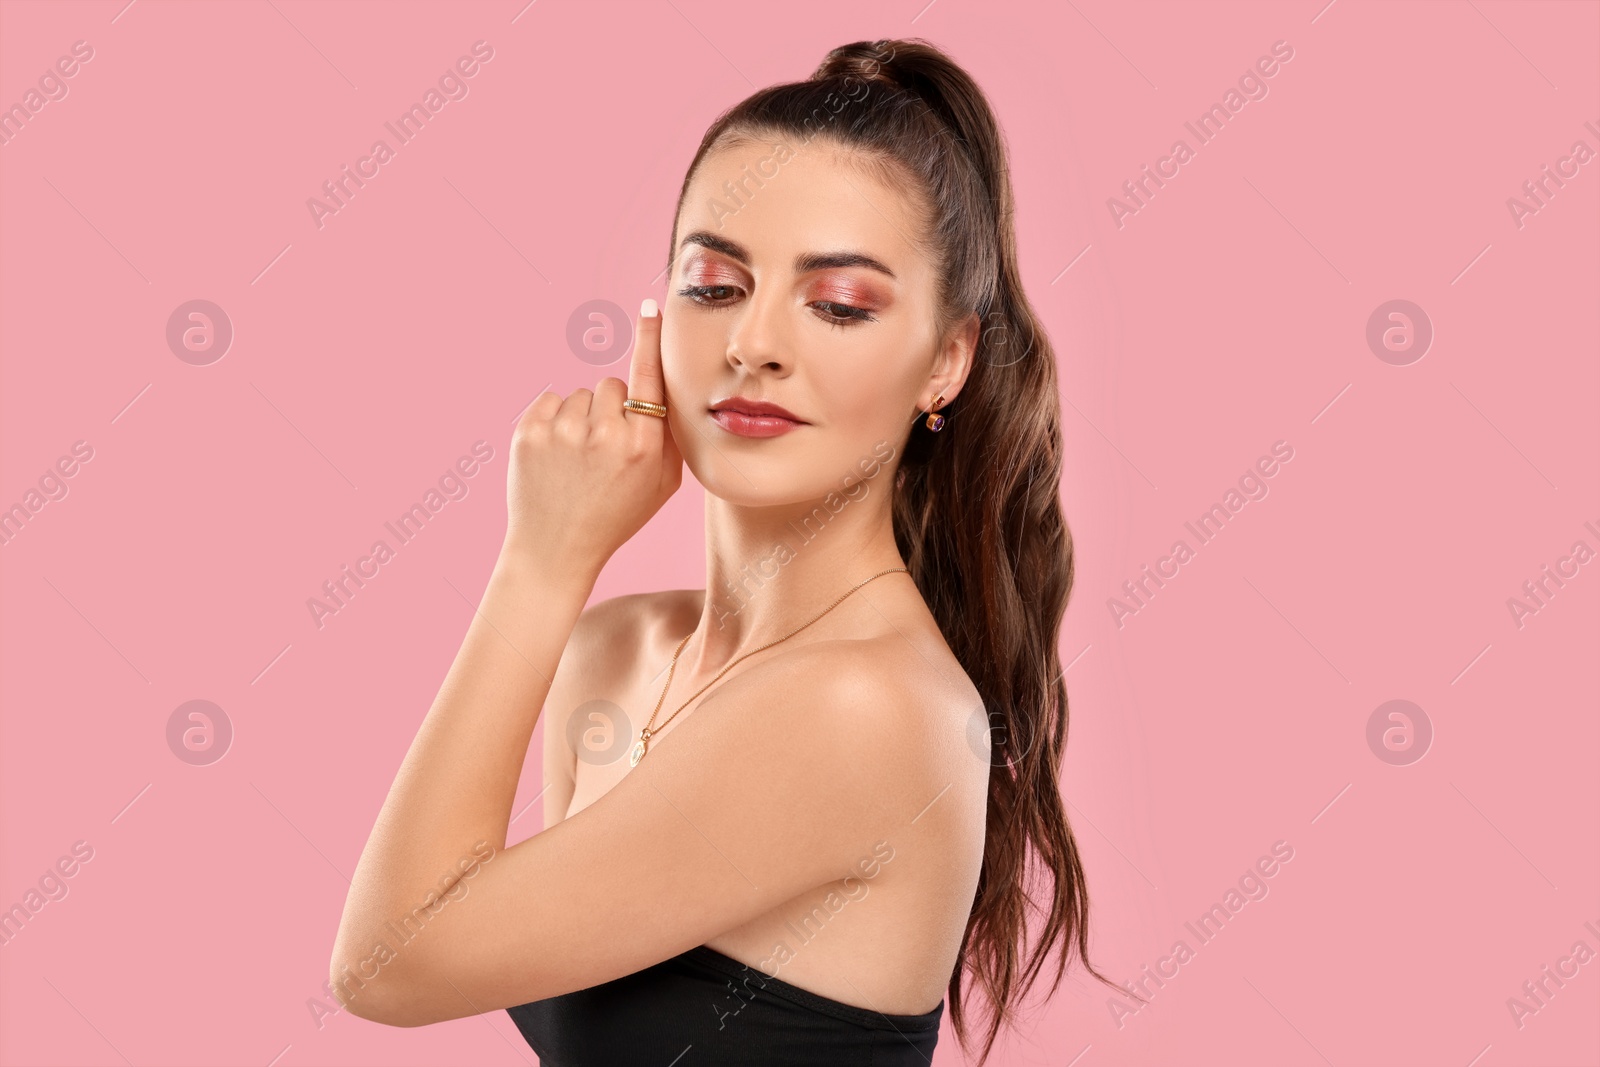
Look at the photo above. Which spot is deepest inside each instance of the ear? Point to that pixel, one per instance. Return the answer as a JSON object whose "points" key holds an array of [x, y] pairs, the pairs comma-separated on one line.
{"points": [[954, 360]]}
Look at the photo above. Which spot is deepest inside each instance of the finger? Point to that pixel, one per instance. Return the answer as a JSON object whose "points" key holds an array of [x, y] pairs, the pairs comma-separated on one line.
{"points": [[575, 408], [644, 371], [609, 393], [543, 408]]}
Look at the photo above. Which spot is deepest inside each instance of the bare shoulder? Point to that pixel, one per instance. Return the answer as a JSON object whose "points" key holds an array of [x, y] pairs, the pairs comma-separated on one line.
{"points": [[614, 622], [604, 646], [875, 738], [609, 636], [900, 706]]}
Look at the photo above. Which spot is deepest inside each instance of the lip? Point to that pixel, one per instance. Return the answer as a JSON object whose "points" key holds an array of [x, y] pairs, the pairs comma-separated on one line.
{"points": [[753, 418]]}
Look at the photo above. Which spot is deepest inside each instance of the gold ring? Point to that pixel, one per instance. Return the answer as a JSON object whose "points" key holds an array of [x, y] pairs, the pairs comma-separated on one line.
{"points": [[645, 407]]}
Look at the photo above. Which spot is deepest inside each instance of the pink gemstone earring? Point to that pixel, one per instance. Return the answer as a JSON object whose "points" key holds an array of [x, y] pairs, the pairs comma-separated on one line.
{"points": [[936, 422]]}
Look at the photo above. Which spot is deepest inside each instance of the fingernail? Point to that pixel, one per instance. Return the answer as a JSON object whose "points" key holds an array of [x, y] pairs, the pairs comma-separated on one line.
{"points": [[647, 310]]}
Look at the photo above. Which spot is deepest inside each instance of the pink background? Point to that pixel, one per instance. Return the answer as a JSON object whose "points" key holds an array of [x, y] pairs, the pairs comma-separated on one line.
{"points": [[1230, 313]]}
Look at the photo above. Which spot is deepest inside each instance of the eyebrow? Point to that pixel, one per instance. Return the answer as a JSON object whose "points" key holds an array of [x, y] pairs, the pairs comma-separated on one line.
{"points": [[804, 263]]}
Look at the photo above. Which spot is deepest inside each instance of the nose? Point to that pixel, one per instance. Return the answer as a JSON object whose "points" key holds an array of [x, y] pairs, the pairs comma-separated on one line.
{"points": [[760, 337]]}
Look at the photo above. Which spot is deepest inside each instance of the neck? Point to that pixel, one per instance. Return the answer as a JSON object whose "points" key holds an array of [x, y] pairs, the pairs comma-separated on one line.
{"points": [[772, 569]]}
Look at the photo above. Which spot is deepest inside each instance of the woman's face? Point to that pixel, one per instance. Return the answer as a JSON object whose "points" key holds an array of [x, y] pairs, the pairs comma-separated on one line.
{"points": [[776, 293]]}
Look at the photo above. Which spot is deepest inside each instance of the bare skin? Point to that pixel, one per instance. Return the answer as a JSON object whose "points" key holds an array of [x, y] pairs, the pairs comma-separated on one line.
{"points": [[889, 942], [763, 804]]}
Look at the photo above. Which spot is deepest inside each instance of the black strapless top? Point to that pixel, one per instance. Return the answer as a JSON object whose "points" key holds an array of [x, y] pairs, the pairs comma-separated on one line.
{"points": [[704, 1009]]}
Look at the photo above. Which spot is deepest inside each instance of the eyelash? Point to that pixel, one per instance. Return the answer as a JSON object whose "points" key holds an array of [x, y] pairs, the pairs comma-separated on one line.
{"points": [[851, 315]]}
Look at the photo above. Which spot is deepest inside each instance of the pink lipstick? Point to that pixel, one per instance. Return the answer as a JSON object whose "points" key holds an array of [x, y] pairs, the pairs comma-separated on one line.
{"points": [[748, 417]]}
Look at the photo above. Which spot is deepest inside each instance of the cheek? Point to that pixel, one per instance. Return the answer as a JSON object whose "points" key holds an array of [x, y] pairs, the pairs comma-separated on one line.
{"points": [[869, 387], [881, 362], [675, 344], [689, 353]]}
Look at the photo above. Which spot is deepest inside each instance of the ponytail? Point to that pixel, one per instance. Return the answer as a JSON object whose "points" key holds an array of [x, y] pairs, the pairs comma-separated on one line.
{"points": [[977, 510]]}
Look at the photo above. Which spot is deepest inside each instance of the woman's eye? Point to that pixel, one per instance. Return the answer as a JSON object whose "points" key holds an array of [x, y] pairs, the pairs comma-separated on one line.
{"points": [[700, 293], [842, 314], [830, 311]]}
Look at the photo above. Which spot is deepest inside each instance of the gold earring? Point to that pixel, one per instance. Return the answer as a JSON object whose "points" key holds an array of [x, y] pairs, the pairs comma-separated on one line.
{"points": [[936, 422]]}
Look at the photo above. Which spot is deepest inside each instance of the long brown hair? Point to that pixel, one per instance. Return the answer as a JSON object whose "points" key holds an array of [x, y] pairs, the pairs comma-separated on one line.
{"points": [[977, 510]]}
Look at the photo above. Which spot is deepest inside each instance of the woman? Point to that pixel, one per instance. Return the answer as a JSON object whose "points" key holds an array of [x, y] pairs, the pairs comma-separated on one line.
{"points": [[814, 814]]}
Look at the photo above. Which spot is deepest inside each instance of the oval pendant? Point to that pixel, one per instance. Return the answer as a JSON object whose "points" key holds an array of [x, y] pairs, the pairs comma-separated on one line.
{"points": [[637, 754]]}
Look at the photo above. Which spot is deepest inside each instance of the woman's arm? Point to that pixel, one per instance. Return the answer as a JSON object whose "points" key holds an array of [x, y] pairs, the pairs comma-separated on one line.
{"points": [[560, 761], [584, 476], [456, 786], [786, 777]]}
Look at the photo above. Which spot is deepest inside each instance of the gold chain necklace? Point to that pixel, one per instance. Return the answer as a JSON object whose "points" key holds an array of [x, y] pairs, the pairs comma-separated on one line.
{"points": [[642, 746]]}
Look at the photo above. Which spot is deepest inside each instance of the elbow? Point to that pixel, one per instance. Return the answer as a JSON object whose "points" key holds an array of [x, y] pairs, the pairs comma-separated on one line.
{"points": [[367, 990]]}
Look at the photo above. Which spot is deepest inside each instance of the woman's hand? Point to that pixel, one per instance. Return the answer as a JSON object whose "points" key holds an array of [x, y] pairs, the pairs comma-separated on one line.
{"points": [[586, 474]]}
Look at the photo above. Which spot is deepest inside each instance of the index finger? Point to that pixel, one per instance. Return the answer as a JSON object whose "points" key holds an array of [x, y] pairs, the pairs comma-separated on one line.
{"points": [[644, 370]]}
